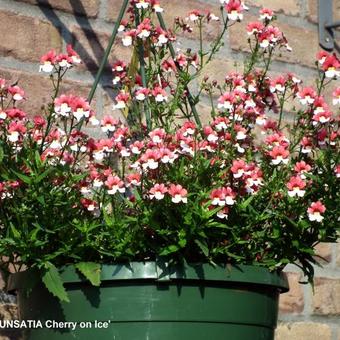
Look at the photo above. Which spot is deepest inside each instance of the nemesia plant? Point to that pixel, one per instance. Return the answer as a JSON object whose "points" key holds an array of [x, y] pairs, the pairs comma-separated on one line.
{"points": [[249, 187]]}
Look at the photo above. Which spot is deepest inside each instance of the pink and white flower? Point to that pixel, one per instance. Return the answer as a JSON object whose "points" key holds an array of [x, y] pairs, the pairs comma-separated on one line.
{"points": [[255, 27], [217, 197], [136, 147], [128, 37], [194, 15], [238, 168], [307, 96], [226, 101], [315, 211], [150, 159], [157, 136], [212, 17], [16, 130], [270, 36], [222, 196], [223, 213], [178, 193], [15, 113], [235, 10], [134, 179], [241, 132], [119, 66], [16, 92], [114, 184], [336, 96], [80, 108], [337, 171], [64, 61], [331, 66], [278, 85], [167, 156], [73, 54], [302, 168], [108, 124], [306, 145], [188, 129], [159, 94], [321, 56], [161, 37], [122, 26], [158, 191], [296, 187], [322, 117], [89, 205], [121, 99], [156, 6], [3, 114], [210, 134], [279, 155], [142, 4], [63, 105], [221, 123], [47, 62], [266, 14], [142, 93], [144, 29]]}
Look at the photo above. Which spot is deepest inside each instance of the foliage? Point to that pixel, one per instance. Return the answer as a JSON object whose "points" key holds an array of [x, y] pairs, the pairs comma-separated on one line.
{"points": [[252, 186]]}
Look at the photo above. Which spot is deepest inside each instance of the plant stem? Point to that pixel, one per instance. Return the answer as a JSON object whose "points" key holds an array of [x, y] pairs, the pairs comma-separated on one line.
{"points": [[282, 102], [201, 42], [173, 55], [143, 74], [108, 50]]}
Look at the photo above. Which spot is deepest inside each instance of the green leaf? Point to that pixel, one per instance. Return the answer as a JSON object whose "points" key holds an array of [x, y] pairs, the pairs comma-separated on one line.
{"points": [[169, 250], [91, 271], [1, 154], [24, 178], [244, 204], [38, 160], [203, 247], [43, 175], [14, 231], [53, 282]]}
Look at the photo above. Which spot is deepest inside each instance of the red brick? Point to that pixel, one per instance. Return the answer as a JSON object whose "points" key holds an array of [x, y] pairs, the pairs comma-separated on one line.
{"points": [[338, 255], [26, 38], [313, 11], [176, 8], [292, 301], [326, 300], [217, 69], [324, 250], [87, 8], [92, 45], [289, 7], [38, 88], [296, 37], [303, 331]]}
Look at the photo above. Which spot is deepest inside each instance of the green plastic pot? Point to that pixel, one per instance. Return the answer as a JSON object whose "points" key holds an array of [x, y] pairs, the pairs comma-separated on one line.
{"points": [[149, 301]]}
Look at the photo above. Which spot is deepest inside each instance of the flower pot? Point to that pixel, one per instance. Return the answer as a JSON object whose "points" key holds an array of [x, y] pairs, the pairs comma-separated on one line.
{"points": [[151, 301]]}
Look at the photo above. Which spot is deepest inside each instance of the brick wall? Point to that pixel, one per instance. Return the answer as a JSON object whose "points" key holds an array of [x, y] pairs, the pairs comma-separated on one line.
{"points": [[31, 27]]}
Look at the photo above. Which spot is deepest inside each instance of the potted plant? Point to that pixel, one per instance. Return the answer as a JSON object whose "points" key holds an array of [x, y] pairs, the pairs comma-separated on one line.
{"points": [[165, 227]]}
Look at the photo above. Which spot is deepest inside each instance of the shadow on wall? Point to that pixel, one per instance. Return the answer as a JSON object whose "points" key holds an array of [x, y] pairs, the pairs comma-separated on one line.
{"points": [[91, 64]]}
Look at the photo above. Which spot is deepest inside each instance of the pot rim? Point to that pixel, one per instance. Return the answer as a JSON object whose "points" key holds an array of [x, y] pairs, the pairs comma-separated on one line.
{"points": [[162, 271]]}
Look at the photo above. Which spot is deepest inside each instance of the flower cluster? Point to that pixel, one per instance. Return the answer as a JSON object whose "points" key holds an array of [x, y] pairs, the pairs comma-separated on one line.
{"points": [[266, 34], [52, 61], [248, 186]]}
